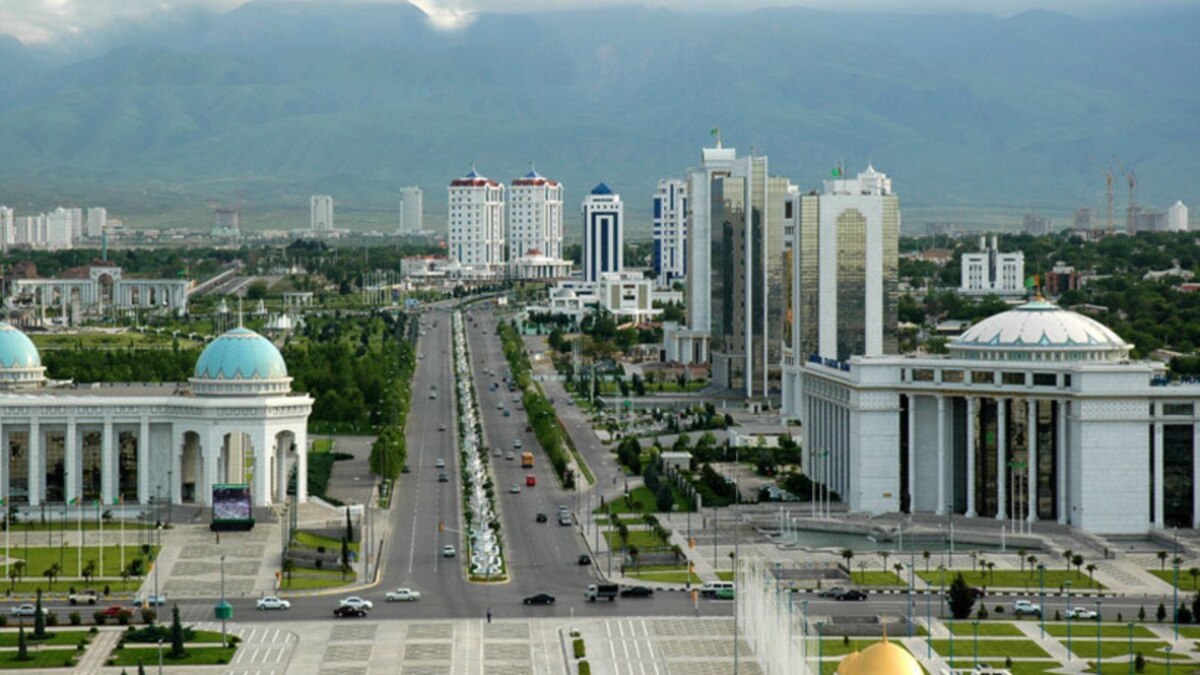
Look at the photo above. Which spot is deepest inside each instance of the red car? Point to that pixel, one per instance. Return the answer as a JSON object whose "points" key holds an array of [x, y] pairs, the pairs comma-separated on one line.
{"points": [[115, 611]]}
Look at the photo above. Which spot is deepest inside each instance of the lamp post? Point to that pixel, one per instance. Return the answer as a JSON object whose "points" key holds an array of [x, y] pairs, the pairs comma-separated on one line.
{"points": [[803, 628], [951, 642], [1169, 649], [170, 493], [1067, 585], [1175, 598], [911, 574], [1042, 596], [928, 621], [1130, 648], [160, 658], [942, 596], [224, 640], [975, 631], [820, 647], [1099, 663]]}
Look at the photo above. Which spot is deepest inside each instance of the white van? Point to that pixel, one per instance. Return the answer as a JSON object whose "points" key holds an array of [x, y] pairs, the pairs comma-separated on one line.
{"points": [[711, 588]]}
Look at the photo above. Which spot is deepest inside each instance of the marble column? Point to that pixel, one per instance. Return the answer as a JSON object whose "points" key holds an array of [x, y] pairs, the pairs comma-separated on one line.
{"points": [[1159, 521], [143, 461], [106, 463], [211, 454], [263, 448], [34, 463], [301, 464], [1032, 468], [71, 459], [912, 453], [1001, 458], [941, 455], [1061, 462], [971, 450]]}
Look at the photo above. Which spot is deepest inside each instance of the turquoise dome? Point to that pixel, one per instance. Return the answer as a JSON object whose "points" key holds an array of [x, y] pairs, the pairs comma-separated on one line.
{"points": [[16, 349], [240, 354]]}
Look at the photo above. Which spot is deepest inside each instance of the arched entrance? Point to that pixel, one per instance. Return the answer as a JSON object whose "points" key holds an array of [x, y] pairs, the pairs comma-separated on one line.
{"points": [[190, 468]]}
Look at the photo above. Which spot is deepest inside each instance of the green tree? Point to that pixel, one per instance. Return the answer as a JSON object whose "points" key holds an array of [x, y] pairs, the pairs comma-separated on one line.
{"points": [[289, 566], [960, 598], [39, 618], [177, 650], [22, 645], [257, 290], [1161, 612]]}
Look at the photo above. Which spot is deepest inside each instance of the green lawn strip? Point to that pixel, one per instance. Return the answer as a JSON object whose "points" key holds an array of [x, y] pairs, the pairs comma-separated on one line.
{"points": [[199, 637], [1086, 629], [644, 540], [322, 445], [876, 578], [579, 461], [89, 525], [988, 628], [47, 658], [725, 575], [63, 586], [1178, 667], [1109, 648], [1189, 632], [39, 558], [664, 574], [1018, 667], [148, 655], [1014, 579], [314, 541], [992, 648], [640, 500], [308, 579], [56, 636]]}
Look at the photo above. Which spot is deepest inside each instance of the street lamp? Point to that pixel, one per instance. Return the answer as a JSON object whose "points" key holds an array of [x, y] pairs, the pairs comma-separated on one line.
{"points": [[1175, 600], [224, 640], [160, 663], [1130, 648], [820, 647], [1042, 595], [1067, 585], [952, 642], [975, 630], [1169, 649], [1099, 663]]}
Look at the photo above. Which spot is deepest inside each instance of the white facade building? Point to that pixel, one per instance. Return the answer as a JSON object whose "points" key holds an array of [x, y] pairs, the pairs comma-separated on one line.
{"points": [[97, 221], [535, 228], [603, 233], [8, 228], [412, 210], [1177, 217], [100, 287], [235, 421], [1036, 413], [476, 236], [320, 217], [670, 231], [990, 271], [628, 296], [60, 229]]}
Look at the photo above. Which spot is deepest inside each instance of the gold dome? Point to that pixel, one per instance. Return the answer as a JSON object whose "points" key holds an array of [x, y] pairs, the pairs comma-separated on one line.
{"points": [[881, 658]]}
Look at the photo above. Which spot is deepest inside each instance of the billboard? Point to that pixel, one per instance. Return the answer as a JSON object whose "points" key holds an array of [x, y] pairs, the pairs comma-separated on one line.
{"points": [[231, 507]]}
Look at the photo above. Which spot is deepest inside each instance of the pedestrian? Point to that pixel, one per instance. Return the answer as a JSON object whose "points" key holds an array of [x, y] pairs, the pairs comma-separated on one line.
{"points": [[489, 614]]}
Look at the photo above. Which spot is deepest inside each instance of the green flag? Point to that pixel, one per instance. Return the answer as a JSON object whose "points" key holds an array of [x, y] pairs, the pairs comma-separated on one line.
{"points": [[73, 500], [837, 171], [714, 131], [1030, 282]]}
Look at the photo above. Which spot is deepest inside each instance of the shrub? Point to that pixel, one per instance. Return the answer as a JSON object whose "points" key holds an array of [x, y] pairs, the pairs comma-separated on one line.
{"points": [[580, 650], [585, 668], [99, 617], [123, 618], [3, 620], [75, 618], [51, 619], [148, 616], [982, 613], [93, 630]]}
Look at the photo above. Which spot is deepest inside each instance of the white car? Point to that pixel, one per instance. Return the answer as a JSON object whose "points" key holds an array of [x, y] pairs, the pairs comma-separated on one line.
{"points": [[27, 609], [1081, 613], [403, 595], [515, 489], [356, 602], [448, 551], [1026, 607], [440, 464], [272, 602]]}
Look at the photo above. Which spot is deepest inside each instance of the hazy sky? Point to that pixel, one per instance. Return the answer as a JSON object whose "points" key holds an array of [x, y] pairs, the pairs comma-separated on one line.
{"points": [[47, 20]]}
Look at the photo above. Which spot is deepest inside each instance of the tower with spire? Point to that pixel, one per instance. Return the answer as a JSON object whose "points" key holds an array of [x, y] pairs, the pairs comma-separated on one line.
{"points": [[476, 223], [535, 227]]}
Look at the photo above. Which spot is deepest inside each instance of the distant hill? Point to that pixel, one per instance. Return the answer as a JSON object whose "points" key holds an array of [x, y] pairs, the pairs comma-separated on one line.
{"points": [[279, 100]]}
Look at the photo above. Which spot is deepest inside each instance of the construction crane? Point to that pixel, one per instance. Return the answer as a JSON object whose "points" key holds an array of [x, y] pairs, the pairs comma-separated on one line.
{"points": [[1107, 172], [1131, 217]]}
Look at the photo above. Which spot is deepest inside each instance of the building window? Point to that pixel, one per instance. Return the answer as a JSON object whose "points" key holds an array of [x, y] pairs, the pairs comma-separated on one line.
{"points": [[922, 375], [1044, 380], [1012, 378], [982, 377], [1178, 409], [1067, 381], [952, 376]]}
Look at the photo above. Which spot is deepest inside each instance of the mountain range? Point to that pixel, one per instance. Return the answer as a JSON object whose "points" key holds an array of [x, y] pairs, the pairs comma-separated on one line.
{"points": [[969, 114]]}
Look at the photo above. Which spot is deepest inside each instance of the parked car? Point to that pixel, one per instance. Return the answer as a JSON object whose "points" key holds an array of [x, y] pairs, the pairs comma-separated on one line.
{"points": [[637, 592], [272, 602], [539, 599], [726, 594], [404, 469], [514, 489], [442, 427], [150, 600], [1081, 613], [83, 598], [541, 518], [348, 612], [1021, 607], [584, 559], [448, 551], [852, 594], [112, 611], [357, 602], [403, 595], [528, 429], [832, 592]]}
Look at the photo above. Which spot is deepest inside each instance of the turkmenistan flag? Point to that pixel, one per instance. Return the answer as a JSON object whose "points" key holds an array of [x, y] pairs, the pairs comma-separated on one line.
{"points": [[837, 171], [73, 501], [1031, 282]]}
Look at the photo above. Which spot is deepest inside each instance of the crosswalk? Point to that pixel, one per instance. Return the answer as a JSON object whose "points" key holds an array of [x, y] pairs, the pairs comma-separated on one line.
{"points": [[264, 650]]}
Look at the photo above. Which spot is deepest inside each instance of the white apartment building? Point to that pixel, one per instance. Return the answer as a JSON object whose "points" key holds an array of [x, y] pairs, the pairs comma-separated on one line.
{"points": [[8, 228], [476, 219], [61, 226], [670, 231], [990, 271], [412, 210], [535, 228], [603, 233], [1177, 217], [320, 217], [97, 221]]}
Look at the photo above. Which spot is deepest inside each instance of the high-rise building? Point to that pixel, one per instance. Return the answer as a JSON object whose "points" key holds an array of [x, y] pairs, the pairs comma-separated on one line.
{"points": [[412, 210], [747, 209], [670, 231], [990, 271], [8, 228], [535, 228], [60, 228], [1036, 225], [1084, 219], [714, 163], [97, 220], [320, 218], [603, 233], [1177, 217], [476, 211]]}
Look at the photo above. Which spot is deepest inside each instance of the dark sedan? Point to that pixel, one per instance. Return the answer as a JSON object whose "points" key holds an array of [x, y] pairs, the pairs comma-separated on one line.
{"points": [[637, 592], [344, 612], [541, 517], [540, 599], [852, 595]]}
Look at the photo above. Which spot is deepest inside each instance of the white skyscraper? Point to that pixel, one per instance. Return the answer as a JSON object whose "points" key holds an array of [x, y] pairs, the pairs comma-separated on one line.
{"points": [[8, 228], [603, 233], [60, 228], [412, 210], [1177, 218], [97, 220], [535, 228], [320, 217], [990, 271], [670, 231], [476, 211]]}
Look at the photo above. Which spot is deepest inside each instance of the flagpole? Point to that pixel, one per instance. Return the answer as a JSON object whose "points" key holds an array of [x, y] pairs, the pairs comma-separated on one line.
{"points": [[100, 526], [79, 510], [7, 529], [121, 501]]}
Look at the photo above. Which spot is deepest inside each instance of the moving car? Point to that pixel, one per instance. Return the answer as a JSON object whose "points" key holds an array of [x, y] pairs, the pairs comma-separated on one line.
{"points": [[584, 559], [403, 595], [852, 594], [507, 413], [528, 428], [404, 469], [150, 600], [727, 594], [510, 456], [541, 518], [272, 602], [602, 592], [30, 609], [442, 427], [1021, 607], [443, 477], [356, 602], [448, 551], [348, 612], [1081, 613], [440, 463], [514, 489], [564, 518], [530, 480], [832, 592], [539, 599], [112, 611], [711, 588], [517, 444], [637, 592], [83, 598]]}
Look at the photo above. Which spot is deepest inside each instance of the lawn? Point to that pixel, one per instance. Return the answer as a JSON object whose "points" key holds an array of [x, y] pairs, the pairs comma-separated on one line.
{"points": [[1086, 629], [992, 648], [308, 579], [877, 578], [725, 575], [55, 636], [1033, 667], [148, 655], [321, 445], [644, 540], [1189, 632], [988, 628], [667, 574], [1186, 581], [40, 558], [641, 500], [49, 658], [1014, 579], [1110, 648], [314, 541]]}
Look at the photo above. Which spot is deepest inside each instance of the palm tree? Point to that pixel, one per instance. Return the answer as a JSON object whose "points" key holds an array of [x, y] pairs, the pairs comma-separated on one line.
{"points": [[633, 555], [991, 571], [882, 554], [89, 570], [925, 555], [974, 559], [1195, 572], [899, 567], [1162, 559], [862, 567], [1032, 560], [1021, 554], [1091, 569], [289, 566], [1077, 561], [848, 555], [1067, 555], [51, 573]]}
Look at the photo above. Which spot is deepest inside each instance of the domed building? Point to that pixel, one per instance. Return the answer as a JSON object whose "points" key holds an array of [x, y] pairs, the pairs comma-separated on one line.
{"points": [[1037, 413], [236, 421], [881, 658]]}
